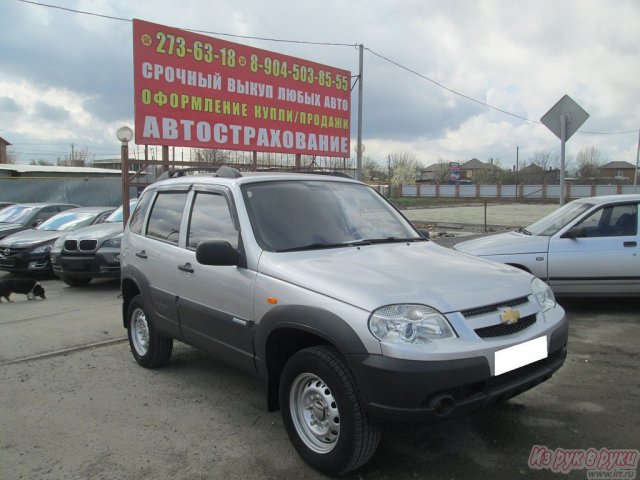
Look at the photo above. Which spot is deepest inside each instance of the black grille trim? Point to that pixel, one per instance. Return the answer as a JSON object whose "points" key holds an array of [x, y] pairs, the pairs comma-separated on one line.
{"points": [[503, 329], [88, 245], [472, 312], [70, 245]]}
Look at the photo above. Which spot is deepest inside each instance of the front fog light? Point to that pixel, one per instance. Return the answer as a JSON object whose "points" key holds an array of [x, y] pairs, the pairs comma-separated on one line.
{"points": [[544, 294], [417, 324]]}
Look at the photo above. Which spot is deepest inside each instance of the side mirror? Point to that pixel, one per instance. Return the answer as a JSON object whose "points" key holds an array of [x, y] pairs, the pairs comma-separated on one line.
{"points": [[37, 222], [217, 253], [425, 233], [575, 232]]}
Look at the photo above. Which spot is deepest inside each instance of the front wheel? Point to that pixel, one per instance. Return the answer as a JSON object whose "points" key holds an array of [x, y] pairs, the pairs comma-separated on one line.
{"points": [[323, 414], [149, 348]]}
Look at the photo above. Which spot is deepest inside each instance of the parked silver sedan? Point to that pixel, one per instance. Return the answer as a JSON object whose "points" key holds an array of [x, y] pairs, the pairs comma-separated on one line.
{"points": [[587, 247]]}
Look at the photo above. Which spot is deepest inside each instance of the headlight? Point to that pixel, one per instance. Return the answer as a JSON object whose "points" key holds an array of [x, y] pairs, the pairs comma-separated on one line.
{"points": [[43, 248], [417, 324], [544, 294], [113, 242], [58, 245]]}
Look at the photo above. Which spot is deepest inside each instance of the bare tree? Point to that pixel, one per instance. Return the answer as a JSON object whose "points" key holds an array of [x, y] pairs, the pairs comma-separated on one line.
{"points": [[207, 155], [42, 163], [441, 171], [545, 159], [405, 168], [11, 158], [370, 169], [78, 158], [588, 163]]}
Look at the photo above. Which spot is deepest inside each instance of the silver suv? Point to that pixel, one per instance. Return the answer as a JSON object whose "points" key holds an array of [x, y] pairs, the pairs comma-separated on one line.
{"points": [[321, 287]]}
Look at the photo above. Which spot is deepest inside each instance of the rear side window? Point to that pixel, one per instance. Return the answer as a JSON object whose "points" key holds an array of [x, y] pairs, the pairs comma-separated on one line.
{"points": [[211, 220], [166, 215], [137, 219]]}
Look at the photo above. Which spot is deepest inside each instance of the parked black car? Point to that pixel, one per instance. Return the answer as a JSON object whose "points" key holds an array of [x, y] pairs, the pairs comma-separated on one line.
{"points": [[28, 251], [90, 252], [24, 216]]}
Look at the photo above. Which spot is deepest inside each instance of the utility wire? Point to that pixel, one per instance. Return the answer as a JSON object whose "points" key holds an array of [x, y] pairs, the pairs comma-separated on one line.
{"points": [[387, 59]]}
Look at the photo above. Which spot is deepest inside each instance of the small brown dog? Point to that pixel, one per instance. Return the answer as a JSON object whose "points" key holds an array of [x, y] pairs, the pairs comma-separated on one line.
{"points": [[26, 286]]}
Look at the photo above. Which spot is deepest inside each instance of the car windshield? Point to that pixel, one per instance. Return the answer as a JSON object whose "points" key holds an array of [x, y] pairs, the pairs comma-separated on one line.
{"points": [[67, 221], [306, 215], [117, 215], [16, 214], [555, 221]]}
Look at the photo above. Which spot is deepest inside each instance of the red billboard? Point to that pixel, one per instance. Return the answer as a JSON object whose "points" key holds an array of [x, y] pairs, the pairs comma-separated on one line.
{"points": [[193, 90]]}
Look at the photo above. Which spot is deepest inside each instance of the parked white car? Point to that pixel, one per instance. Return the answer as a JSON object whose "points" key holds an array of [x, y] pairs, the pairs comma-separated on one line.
{"points": [[587, 247]]}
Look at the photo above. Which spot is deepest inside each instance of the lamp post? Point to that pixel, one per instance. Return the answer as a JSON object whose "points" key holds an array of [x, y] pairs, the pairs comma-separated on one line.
{"points": [[125, 135]]}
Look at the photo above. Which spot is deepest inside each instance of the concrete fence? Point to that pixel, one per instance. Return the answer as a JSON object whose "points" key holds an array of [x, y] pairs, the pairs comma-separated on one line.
{"points": [[513, 192]]}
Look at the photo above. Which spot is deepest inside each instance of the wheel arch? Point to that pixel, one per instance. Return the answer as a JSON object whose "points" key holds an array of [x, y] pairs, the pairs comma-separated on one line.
{"points": [[288, 329], [129, 289]]}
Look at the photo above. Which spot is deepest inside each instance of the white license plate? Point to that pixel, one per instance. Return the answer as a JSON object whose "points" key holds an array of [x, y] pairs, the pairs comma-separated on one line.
{"points": [[520, 355]]}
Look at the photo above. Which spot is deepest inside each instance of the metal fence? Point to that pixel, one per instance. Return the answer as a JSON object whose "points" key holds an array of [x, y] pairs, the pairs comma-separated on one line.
{"points": [[513, 192], [81, 191]]}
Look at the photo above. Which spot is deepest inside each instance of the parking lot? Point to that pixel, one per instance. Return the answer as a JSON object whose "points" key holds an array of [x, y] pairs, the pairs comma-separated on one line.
{"points": [[75, 405]]}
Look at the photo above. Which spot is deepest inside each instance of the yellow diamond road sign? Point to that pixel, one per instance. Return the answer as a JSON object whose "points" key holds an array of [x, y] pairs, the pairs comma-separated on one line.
{"points": [[573, 112]]}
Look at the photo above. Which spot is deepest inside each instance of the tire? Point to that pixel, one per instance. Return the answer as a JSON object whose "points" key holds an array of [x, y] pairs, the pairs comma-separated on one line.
{"points": [[149, 348], [323, 414], [75, 281]]}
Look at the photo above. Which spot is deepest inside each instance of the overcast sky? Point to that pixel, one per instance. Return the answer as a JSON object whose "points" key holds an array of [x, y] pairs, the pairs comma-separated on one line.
{"points": [[66, 78]]}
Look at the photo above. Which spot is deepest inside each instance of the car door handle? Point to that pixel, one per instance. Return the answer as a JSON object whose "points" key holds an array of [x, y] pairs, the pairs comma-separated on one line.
{"points": [[186, 268], [630, 244], [142, 254]]}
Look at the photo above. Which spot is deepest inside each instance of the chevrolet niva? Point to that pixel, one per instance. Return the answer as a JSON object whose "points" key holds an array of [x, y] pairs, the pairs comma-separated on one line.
{"points": [[321, 287]]}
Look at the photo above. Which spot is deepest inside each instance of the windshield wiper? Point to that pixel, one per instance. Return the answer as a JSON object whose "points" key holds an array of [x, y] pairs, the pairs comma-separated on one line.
{"points": [[320, 245], [523, 230], [396, 240]]}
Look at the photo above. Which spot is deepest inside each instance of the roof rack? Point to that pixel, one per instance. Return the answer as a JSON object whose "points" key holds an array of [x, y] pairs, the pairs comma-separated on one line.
{"points": [[223, 171], [322, 172]]}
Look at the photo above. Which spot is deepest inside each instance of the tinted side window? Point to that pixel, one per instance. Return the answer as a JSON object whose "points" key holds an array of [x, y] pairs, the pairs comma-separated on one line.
{"points": [[137, 218], [211, 220], [166, 215], [618, 220]]}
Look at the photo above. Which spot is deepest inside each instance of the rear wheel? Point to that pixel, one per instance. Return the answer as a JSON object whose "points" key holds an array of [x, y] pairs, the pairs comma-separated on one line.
{"points": [[323, 414], [149, 348], [76, 281]]}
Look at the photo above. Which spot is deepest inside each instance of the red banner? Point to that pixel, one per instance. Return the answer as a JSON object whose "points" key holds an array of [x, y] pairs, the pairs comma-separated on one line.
{"points": [[197, 91]]}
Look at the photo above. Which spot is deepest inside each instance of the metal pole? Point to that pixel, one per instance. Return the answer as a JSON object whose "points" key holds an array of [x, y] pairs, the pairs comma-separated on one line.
{"points": [[563, 140], [635, 178], [359, 153], [124, 165]]}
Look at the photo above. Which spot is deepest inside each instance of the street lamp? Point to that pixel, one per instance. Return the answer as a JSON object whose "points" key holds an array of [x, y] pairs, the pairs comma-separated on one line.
{"points": [[125, 135]]}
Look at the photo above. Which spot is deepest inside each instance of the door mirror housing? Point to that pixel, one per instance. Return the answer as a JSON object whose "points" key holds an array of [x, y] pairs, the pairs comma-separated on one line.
{"points": [[575, 232], [217, 253]]}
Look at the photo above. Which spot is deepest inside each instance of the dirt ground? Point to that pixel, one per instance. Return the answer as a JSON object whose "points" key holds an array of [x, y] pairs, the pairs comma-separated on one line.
{"points": [[69, 410]]}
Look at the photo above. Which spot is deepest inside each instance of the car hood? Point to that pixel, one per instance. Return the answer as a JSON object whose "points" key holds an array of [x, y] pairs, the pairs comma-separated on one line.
{"points": [[9, 228], [510, 243], [96, 232], [30, 237], [376, 275]]}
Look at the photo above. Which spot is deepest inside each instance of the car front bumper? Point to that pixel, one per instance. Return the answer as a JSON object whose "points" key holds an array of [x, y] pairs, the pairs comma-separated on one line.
{"points": [[409, 390], [26, 263], [103, 264]]}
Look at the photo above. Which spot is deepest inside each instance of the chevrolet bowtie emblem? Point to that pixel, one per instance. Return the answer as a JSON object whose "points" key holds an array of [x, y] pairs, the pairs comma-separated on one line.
{"points": [[509, 316]]}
